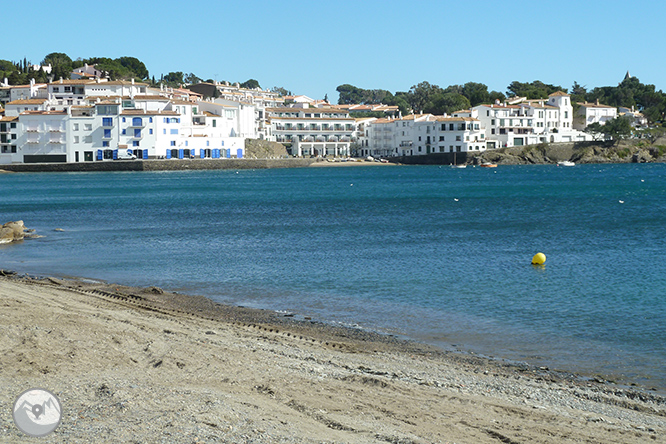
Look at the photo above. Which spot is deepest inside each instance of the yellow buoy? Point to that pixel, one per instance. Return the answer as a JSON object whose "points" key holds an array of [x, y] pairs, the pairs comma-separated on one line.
{"points": [[539, 259]]}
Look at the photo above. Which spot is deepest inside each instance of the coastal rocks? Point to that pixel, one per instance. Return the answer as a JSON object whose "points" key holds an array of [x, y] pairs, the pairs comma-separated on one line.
{"points": [[12, 231], [16, 231], [642, 156], [580, 152]]}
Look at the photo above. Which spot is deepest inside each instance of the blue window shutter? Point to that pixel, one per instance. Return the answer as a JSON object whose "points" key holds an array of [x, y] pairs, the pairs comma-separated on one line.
{"points": [[99, 155], [239, 153], [202, 153], [115, 154], [181, 153], [145, 154], [168, 156]]}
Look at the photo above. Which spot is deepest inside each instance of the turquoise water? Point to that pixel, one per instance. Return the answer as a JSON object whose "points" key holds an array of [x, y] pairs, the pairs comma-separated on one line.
{"points": [[440, 255]]}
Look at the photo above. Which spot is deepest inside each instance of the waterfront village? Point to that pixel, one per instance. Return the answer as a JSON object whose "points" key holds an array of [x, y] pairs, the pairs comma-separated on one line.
{"points": [[89, 118]]}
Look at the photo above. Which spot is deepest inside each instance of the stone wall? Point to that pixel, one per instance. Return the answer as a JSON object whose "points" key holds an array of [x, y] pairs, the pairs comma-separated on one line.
{"points": [[162, 165], [263, 149]]}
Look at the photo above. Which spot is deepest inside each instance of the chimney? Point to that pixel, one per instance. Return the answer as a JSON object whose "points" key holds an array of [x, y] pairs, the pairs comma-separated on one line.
{"points": [[132, 80], [596, 102]]}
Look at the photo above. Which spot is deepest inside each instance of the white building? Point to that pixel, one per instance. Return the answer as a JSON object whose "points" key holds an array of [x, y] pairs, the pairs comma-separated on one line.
{"points": [[589, 113], [423, 134], [529, 122], [84, 121], [637, 118], [313, 132]]}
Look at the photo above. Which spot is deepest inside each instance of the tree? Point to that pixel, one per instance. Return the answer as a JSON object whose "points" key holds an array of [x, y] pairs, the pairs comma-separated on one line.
{"points": [[192, 79], [617, 129], [447, 103], [398, 100], [174, 79], [61, 64], [476, 93], [533, 90], [421, 95], [135, 66], [250, 84], [282, 91], [349, 94], [577, 92]]}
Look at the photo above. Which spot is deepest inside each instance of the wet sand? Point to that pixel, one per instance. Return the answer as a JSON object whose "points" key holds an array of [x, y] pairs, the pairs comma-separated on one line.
{"points": [[143, 365]]}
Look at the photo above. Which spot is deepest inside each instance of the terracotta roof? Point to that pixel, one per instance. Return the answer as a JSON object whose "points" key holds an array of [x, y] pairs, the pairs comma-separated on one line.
{"points": [[142, 112], [594, 105], [558, 93], [44, 112], [455, 119], [8, 118], [149, 97], [28, 102]]}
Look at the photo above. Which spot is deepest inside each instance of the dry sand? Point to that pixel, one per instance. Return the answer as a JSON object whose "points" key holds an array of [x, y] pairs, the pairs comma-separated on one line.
{"points": [[136, 365]]}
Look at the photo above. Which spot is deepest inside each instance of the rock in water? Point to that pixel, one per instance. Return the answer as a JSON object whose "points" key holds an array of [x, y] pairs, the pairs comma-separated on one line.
{"points": [[12, 231]]}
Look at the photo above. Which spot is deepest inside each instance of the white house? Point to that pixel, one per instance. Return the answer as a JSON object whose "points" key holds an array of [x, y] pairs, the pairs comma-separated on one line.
{"points": [[528, 122], [589, 113]]}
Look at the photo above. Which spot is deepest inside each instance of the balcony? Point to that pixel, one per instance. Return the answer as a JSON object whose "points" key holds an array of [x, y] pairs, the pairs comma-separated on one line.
{"points": [[32, 130]]}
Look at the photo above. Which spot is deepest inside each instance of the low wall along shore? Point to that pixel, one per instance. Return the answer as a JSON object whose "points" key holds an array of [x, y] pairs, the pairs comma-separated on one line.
{"points": [[162, 165]]}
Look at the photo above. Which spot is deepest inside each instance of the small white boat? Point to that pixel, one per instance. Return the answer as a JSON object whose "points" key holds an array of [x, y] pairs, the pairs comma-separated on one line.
{"points": [[459, 166], [566, 163]]}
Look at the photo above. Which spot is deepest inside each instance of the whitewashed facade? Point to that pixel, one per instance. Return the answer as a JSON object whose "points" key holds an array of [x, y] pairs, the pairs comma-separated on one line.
{"points": [[90, 121], [589, 113], [529, 122], [423, 134], [313, 132]]}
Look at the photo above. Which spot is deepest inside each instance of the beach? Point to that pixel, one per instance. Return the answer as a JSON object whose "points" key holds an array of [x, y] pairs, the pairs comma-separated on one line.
{"points": [[145, 365]]}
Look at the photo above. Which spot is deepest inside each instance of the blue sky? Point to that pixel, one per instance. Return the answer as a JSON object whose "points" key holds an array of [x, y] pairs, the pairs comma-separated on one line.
{"points": [[311, 47]]}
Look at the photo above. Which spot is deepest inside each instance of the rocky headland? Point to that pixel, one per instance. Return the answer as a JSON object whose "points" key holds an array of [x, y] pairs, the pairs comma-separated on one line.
{"points": [[632, 151]]}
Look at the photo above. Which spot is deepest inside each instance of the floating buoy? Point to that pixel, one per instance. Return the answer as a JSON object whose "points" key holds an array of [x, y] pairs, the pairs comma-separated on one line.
{"points": [[539, 259], [621, 201]]}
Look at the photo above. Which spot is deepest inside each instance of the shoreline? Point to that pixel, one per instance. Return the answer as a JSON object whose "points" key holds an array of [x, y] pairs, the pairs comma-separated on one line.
{"points": [[432, 372]]}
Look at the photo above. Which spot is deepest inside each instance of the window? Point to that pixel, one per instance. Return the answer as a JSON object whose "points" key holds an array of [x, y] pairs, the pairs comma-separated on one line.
{"points": [[124, 132], [566, 113], [150, 119], [174, 131], [450, 126], [137, 121], [441, 138], [75, 126], [107, 121], [137, 132], [12, 125], [458, 138], [173, 143], [135, 143], [150, 131], [87, 126], [123, 120], [164, 131], [87, 139], [107, 133], [105, 143], [76, 139], [215, 123]]}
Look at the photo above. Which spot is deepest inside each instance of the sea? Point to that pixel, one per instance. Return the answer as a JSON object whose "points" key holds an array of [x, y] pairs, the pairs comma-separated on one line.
{"points": [[431, 253]]}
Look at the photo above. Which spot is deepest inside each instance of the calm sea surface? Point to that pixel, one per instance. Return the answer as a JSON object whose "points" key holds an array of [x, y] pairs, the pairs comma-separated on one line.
{"points": [[436, 254]]}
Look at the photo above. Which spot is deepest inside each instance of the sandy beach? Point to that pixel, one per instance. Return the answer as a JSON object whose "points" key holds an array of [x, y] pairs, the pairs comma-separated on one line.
{"points": [[143, 365]]}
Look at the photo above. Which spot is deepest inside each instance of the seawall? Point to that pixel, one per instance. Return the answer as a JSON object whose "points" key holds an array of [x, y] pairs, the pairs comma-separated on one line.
{"points": [[162, 165]]}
